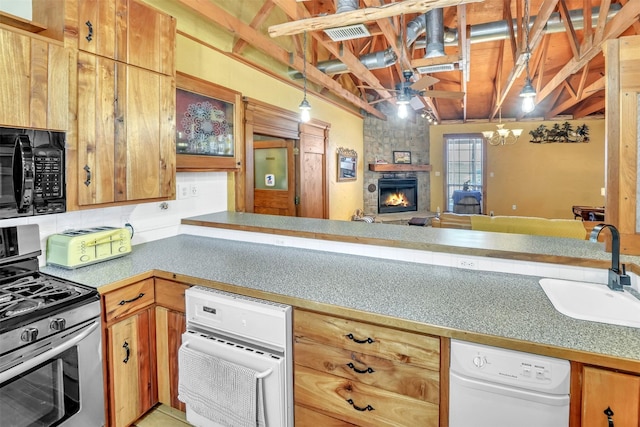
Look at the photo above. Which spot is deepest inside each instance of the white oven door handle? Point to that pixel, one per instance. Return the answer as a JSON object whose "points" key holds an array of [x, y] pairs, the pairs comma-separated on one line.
{"points": [[47, 355]]}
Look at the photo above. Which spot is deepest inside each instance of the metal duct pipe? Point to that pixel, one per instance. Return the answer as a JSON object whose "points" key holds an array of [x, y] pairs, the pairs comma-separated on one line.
{"points": [[499, 30], [373, 61], [435, 33], [346, 6]]}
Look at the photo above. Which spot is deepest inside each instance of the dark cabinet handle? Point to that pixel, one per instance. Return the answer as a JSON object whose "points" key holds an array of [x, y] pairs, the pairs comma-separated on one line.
{"points": [[609, 413], [89, 36], [126, 347], [359, 408], [127, 301], [87, 169], [360, 371], [354, 339]]}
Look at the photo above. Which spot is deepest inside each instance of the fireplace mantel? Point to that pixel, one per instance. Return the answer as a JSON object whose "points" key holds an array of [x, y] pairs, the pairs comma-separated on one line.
{"points": [[395, 167]]}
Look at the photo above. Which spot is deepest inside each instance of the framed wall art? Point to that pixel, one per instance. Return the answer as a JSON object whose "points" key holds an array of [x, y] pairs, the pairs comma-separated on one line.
{"points": [[402, 157]]}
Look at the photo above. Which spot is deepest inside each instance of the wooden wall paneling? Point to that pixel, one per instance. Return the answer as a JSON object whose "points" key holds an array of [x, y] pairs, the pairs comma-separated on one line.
{"points": [[622, 60]]}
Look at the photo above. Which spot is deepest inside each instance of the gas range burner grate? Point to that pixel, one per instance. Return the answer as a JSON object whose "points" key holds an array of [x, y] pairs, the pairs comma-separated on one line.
{"points": [[33, 292]]}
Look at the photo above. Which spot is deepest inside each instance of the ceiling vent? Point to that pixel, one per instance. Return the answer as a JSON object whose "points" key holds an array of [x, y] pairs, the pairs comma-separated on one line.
{"points": [[349, 32], [436, 68]]}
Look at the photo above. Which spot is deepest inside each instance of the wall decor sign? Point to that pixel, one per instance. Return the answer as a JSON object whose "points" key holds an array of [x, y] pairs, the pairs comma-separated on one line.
{"points": [[402, 157], [559, 133]]}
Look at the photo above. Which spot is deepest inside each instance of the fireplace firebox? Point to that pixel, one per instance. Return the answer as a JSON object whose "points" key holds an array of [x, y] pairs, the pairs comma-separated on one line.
{"points": [[397, 195]]}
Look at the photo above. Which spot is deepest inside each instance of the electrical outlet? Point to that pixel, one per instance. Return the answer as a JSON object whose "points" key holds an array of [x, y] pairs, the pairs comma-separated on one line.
{"points": [[279, 242], [513, 207], [195, 190], [183, 191], [468, 263]]}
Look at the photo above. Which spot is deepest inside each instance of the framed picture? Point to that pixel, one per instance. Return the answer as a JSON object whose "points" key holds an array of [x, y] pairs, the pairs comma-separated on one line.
{"points": [[403, 157]]}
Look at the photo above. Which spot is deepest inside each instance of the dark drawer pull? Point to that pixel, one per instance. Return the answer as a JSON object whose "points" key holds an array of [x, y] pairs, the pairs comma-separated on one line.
{"points": [[360, 371], [609, 413], [89, 36], [123, 302], [359, 408], [354, 339]]}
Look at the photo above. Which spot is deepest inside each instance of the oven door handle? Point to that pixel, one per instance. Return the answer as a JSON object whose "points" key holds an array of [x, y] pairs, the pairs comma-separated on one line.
{"points": [[47, 355]]}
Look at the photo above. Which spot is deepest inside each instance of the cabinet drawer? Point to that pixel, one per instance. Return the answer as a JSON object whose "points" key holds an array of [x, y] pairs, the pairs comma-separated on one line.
{"points": [[360, 404], [392, 344], [127, 300], [305, 417], [409, 380]]}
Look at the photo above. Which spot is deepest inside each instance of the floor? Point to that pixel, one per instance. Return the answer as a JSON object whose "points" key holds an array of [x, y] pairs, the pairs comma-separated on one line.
{"points": [[163, 416]]}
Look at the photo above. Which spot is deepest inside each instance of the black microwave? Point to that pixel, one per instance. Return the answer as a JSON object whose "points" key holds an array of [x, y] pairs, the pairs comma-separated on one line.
{"points": [[32, 172]]}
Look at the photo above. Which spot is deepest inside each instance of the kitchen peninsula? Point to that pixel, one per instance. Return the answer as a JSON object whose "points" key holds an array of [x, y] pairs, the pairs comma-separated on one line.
{"points": [[408, 279]]}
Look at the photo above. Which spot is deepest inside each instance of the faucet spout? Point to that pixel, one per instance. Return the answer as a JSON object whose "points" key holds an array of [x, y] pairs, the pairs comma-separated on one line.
{"points": [[617, 278]]}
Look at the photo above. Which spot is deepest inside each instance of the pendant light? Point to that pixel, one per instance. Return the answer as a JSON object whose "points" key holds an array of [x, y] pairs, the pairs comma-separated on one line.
{"points": [[528, 93], [305, 107]]}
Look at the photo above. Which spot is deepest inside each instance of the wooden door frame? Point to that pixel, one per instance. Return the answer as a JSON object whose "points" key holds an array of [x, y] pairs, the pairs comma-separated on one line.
{"points": [[269, 120]]}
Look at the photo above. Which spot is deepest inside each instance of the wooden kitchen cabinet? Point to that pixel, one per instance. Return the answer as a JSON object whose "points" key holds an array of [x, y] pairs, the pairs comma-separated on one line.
{"points": [[34, 84], [128, 31], [602, 389], [171, 323], [125, 132], [361, 374], [129, 317]]}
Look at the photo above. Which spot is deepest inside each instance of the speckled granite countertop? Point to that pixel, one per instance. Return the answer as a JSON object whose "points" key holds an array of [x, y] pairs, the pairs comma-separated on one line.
{"points": [[452, 301], [498, 245]]}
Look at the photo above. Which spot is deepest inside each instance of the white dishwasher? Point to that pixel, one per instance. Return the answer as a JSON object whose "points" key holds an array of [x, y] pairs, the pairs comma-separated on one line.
{"points": [[495, 387]]}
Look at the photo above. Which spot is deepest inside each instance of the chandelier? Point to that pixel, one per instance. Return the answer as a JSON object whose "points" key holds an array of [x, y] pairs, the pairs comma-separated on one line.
{"points": [[502, 136]]}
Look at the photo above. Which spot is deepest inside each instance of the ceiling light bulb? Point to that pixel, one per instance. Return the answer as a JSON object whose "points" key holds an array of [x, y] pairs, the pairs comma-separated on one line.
{"points": [[528, 104], [305, 111], [402, 111]]}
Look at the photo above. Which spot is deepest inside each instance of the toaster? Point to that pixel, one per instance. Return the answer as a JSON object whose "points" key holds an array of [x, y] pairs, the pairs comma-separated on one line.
{"points": [[77, 248]]}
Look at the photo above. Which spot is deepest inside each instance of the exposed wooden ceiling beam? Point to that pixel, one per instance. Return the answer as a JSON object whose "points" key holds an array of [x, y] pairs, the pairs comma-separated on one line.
{"points": [[258, 20], [588, 91], [616, 26], [353, 63], [230, 23], [360, 16]]}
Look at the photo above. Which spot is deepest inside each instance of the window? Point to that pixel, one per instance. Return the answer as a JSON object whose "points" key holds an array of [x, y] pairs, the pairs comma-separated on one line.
{"points": [[464, 166]]}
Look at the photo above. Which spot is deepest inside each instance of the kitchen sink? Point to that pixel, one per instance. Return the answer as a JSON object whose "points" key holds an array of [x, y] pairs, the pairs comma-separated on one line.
{"points": [[590, 301]]}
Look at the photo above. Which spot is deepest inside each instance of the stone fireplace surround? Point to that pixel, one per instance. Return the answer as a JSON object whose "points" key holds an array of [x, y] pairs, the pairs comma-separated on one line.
{"points": [[381, 139]]}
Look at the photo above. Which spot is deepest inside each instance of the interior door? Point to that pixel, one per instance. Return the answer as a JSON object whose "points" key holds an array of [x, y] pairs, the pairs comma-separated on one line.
{"points": [[274, 187], [312, 171]]}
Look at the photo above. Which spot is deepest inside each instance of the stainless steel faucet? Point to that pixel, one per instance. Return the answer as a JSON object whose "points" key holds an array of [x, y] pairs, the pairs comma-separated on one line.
{"points": [[617, 278]]}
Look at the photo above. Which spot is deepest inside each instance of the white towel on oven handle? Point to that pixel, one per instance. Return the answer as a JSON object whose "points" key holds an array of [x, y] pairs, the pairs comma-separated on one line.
{"points": [[219, 390]]}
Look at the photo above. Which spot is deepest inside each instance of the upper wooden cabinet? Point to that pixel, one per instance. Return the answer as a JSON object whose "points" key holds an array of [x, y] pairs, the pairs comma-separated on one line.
{"points": [[34, 84], [208, 126], [125, 132], [128, 31]]}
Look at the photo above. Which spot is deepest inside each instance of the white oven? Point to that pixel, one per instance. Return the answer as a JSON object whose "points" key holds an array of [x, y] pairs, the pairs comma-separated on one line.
{"points": [[235, 365]]}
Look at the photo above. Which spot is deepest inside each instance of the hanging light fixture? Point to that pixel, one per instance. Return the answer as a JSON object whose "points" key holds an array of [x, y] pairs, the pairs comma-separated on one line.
{"points": [[304, 107], [403, 103], [528, 93], [502, 136]]}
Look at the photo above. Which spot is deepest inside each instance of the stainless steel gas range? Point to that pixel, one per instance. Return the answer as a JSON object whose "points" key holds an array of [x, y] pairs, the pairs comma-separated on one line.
{"points": [[50, 341]]}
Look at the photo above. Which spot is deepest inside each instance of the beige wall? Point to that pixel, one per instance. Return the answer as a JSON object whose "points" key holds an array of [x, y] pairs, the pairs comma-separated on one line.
{"points": [[205, 60], [542, 180]]}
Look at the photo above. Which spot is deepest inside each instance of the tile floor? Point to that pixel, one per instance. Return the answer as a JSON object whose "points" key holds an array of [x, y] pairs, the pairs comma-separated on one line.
{"points": [[163, 416]]}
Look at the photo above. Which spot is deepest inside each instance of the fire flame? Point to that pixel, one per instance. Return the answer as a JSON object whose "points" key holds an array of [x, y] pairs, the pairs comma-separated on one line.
{"points": [[396, 199]]}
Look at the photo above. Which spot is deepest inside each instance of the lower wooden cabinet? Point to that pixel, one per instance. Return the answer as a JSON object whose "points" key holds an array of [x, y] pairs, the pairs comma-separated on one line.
{"points": [[131, 367], [618, 392], [364, 375]]}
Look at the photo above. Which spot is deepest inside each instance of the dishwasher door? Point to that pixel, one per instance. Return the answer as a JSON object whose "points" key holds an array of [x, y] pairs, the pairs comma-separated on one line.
{"points": [[495, 387]]}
